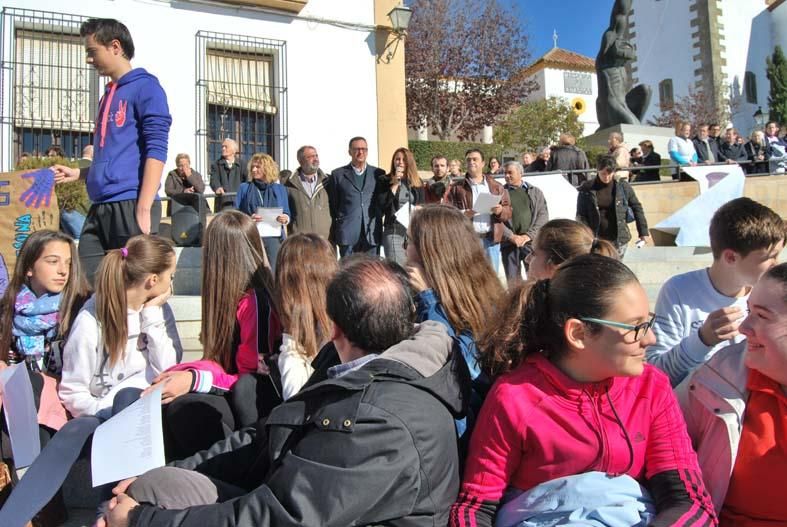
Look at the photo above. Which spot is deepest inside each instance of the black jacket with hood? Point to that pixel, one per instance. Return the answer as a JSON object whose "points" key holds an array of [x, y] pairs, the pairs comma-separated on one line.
{"points": [[377, 445]]}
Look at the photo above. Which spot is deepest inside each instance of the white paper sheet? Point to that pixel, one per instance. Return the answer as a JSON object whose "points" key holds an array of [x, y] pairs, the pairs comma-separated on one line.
{"points": [[484, 202], [138, 380], [130, 443], [20, 414], [403, 216], [268, 226]]}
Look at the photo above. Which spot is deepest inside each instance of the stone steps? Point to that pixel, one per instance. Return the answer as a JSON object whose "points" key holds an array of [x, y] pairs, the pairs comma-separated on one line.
{"points": [[652, 265], [655, 265]]}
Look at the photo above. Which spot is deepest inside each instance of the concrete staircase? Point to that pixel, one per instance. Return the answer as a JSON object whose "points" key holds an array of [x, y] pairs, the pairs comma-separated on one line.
{"points": [[655, 265], [187, 311]]}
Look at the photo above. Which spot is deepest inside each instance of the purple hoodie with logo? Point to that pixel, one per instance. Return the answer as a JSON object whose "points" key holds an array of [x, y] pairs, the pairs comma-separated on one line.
{"points": [[132, 125]]}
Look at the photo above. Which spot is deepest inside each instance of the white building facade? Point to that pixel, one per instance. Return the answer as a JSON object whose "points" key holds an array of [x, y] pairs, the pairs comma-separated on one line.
{"points": [[705, 44], [568, 76], [558, 73], [274, 76]]}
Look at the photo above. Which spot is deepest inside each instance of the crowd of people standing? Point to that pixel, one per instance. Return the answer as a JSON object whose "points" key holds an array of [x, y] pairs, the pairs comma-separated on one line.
{"points": [[765, 151], [410, 390]]}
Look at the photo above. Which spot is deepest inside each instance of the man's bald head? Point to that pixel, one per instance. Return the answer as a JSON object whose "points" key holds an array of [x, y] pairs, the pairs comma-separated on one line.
{"points": [[370, 301]]}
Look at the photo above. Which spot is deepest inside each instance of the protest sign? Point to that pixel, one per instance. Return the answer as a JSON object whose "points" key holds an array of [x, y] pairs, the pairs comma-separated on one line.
{"points": [[27, 204]]}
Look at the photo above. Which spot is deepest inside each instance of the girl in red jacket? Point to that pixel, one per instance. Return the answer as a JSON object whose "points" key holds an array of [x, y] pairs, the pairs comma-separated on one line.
{"points": [[575, 396]]}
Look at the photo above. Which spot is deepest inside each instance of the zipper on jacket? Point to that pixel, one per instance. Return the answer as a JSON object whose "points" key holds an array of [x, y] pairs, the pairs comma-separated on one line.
{"points": [[605, 448], [600, 463]]}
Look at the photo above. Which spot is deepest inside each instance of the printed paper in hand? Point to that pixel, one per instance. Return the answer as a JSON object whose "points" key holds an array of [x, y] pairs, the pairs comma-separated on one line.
{"points": [[269, 227], [484, 202], [20, 414], [403, 216], [130, 443]]}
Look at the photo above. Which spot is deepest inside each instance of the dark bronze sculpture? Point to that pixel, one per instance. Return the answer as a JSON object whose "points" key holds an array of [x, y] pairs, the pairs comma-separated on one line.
{"points": [[614, 105]]}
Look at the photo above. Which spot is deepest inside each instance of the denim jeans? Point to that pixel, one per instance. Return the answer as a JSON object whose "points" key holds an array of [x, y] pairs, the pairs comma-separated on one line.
{"points": [[71, 222], [492, 252]]}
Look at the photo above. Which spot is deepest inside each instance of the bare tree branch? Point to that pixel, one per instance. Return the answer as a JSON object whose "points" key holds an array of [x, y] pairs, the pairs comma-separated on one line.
{"points": [[464, 62]]}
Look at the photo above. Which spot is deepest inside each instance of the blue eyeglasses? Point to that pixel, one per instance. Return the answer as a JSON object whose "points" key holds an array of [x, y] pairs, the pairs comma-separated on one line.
{"points": [[639, 329]]}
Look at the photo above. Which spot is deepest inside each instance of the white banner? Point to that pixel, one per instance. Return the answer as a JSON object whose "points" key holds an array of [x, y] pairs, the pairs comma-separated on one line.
{"points": [[561, 196], [708, 176], [718, 185]]}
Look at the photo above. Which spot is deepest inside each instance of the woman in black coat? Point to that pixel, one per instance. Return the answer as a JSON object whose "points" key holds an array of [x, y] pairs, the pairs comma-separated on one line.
{"points": [[401, 187]]}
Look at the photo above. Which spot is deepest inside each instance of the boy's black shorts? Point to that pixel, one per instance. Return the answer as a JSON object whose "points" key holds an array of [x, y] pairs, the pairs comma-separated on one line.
{"points": [[109, 226]]}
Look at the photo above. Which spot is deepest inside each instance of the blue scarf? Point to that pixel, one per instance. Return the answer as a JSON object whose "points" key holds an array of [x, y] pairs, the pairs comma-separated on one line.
{"points": [[260, 194], [35, 320]]}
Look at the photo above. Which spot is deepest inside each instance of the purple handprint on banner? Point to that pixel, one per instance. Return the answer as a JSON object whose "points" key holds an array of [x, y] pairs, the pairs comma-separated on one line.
{"points": [[41, 190], [3, 276]]}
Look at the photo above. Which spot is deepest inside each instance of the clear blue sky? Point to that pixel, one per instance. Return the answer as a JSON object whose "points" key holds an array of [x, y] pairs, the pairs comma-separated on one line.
{"points": [[579, 24]]}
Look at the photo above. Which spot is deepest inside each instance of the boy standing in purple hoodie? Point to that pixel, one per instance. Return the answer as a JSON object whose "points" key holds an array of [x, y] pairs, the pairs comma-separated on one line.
{"points": [[130, 146]]}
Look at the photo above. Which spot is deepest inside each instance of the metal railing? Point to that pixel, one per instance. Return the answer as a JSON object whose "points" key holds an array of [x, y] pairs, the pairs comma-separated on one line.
{"points": [[672, 167]]}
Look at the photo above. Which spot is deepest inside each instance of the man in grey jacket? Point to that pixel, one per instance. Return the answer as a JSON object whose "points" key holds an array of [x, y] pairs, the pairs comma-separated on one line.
{"points": [[308, 198], [373, 443]]}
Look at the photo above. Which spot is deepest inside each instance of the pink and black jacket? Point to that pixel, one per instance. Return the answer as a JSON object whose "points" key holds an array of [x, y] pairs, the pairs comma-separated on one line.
{"points": [[258, 335], [537, 425]]}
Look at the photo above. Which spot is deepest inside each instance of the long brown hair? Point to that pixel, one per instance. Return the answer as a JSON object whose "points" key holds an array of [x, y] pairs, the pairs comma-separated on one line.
{"points": [[456, 266], [233, 261], [120, 270], [563, 239], [72, 297], [305, 264], [410, 168]]}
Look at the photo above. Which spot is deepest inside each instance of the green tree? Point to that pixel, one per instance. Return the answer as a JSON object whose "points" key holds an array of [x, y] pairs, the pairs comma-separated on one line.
{"points": [[777, 75], [537, 123]]}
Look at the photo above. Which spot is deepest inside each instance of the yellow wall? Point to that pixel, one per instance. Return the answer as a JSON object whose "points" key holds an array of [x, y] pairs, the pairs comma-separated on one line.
{"points": [[391, 102]]}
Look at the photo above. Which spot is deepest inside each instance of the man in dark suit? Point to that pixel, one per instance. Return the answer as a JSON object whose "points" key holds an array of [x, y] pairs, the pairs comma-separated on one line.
{"points": [[714, 132], [707, 148], [730, 150], [355, 225]]}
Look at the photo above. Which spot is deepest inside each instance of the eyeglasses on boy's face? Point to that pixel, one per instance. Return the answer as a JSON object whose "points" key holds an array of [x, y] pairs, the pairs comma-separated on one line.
{"points": [[639, 329]]}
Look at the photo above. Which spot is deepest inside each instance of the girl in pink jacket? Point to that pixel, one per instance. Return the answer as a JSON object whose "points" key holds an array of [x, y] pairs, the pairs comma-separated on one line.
{"points": [[575, 396], [207, 399]]}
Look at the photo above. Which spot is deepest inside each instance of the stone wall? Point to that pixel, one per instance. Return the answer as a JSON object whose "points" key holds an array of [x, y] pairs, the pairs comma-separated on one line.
{"points": [[661, 200]]}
